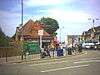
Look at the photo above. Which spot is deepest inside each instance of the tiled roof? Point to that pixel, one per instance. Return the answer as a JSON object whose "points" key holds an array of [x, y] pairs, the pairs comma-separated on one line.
{"points": [[31, 28]]}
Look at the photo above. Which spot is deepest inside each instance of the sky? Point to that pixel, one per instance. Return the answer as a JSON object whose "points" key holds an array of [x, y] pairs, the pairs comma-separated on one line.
{"points": [[72, 15]]}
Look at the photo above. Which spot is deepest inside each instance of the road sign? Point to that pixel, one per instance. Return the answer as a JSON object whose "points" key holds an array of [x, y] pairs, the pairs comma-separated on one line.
{"points": [[40, 32]]}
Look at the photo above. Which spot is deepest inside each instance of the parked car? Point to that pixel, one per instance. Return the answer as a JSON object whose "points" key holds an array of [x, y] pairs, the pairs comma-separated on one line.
{"points": [[97, 45], [89, 45]]}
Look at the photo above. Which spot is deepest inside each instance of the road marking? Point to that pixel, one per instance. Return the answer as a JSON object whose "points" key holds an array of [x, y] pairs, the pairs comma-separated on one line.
{"points": [[91, 58], [86, 61], [85, 52], [70, 67], [58, 62], [48, 63]]}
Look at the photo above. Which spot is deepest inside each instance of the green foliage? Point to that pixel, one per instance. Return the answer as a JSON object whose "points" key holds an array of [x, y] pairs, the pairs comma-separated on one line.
{"points": [[4, 40], [54, 34], [51, 25]]}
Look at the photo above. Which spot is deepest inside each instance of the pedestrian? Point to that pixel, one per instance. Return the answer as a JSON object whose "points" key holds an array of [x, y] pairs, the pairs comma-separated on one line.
{"points": [[47, 50], [70, 49], [79, 48]]}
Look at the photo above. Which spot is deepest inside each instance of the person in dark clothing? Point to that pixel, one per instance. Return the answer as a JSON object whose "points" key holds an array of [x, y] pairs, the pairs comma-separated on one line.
{"points": [[47, 50], [79, 48]]}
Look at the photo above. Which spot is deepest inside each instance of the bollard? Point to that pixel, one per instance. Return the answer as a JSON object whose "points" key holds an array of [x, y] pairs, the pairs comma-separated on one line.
{"points": [[6, 55]]}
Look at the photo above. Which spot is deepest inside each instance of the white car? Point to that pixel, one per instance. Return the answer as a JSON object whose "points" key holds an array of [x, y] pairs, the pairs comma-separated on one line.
{"points": [[88, 45]]}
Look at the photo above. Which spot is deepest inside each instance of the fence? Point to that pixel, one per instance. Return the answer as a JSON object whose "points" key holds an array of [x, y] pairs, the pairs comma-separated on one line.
{"points": [[9, 51]]}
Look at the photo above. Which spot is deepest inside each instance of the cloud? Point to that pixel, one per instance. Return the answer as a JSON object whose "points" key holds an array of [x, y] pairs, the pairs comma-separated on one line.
{"points": [[74, 22], [42, 2], [68, 13], [31, 3], [7, 13], [10, 20], [67, 16]]}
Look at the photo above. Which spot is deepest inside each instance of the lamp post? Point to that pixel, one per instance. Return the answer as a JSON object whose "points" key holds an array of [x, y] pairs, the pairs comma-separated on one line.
{"points": [[93, 21], [60, 33], [22, 12], [93, 30], [22, 25]]}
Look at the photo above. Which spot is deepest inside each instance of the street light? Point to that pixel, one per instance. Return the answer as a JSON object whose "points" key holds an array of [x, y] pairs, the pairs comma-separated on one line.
{"points": [[93, 23], [60, 33], [22, 25]]}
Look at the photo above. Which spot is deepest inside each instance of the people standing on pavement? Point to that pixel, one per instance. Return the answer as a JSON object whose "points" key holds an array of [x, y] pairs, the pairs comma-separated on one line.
{"points": [[43, 53], [53, 48], [47, 51], [70, 49], [79, 48]]}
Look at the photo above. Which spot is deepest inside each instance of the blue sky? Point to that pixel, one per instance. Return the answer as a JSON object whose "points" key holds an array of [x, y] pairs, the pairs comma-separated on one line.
{"points": [[72, 15]]}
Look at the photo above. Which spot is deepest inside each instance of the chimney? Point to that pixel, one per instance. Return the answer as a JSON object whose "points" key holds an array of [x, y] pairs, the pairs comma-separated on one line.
{"points": [[17, 34]]}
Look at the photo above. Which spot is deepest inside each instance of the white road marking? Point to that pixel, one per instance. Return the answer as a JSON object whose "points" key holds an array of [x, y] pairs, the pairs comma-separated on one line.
{"points": [[48, 63], [64, 61], [87, 61], [70, 67], [90, 58]]}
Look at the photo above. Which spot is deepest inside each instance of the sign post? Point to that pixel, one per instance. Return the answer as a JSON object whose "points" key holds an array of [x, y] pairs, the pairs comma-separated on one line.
{"points": [[40, 33], [21, 46]]}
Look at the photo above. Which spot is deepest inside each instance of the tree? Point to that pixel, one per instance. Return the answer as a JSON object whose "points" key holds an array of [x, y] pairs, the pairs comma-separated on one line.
{"points": [[51, 25], [4, 40]]}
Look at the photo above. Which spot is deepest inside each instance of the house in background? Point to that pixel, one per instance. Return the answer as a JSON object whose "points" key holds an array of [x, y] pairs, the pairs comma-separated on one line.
{"points": [[92, 34], [73, 39], [29, 31]]}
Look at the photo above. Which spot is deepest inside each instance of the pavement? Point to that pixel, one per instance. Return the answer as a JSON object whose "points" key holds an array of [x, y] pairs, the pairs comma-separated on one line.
{"points": [[36, 58], [86, 63]]}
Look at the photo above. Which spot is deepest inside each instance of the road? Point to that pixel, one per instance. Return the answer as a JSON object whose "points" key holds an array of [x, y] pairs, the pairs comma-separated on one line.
{"points": [[82, 64]]}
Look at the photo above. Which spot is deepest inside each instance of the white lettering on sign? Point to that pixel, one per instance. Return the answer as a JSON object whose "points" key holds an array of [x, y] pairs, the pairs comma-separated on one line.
{"points": [[45, 40]]}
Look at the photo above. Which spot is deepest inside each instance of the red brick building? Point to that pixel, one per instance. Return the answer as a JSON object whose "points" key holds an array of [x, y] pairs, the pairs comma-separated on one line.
{"points": [[29, 31]]}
